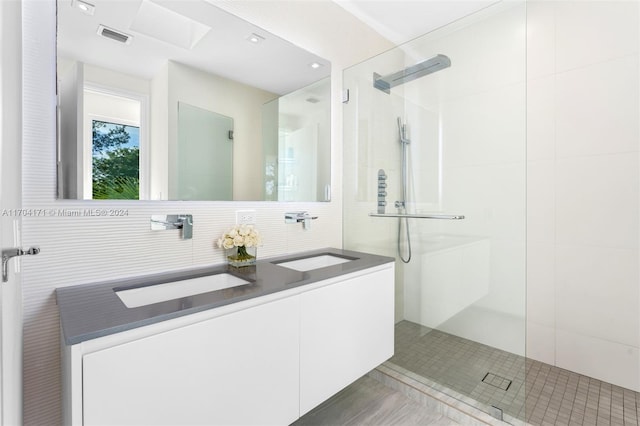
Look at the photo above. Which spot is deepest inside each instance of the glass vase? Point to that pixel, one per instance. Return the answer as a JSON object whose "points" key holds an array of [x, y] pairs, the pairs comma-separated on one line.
{"points": [[241, 256]]}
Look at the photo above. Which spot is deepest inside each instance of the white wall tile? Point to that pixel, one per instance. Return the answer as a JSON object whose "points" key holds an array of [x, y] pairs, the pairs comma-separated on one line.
{"points": [[541, 201], [597, 108], [507, 293], [486, 128], [541, 292], [594, 31], [598, 358], [541, 118], [582, 186], [540, 38], [598, 294], [486, 54], [541, 342], [597, 200]]}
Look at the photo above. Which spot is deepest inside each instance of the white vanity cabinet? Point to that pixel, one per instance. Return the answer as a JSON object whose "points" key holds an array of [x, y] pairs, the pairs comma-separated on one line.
{"points": [[241, 368], [263, 361], [346, 329]]}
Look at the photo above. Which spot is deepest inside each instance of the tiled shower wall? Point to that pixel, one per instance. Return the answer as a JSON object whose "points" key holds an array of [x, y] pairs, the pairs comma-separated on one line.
{"points": [[582, 121], [77, 250]]}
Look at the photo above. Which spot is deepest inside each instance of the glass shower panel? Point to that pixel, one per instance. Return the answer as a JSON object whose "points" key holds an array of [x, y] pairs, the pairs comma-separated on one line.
{"points": [[460, 299]]}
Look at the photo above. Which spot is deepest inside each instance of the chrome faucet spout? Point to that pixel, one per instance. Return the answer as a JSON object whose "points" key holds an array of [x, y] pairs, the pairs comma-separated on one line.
{"points": [[299, 217], [186, 224], [174, 221]]}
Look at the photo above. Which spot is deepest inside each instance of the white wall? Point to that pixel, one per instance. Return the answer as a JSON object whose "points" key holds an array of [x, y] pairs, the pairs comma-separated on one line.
{"points": [[77, 250], [70, 86], [10, 197], [582, 183], [227, 97]]}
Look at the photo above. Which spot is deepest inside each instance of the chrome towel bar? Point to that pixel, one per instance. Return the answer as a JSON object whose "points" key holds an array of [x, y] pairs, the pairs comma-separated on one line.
{"points": [[420, 216]]}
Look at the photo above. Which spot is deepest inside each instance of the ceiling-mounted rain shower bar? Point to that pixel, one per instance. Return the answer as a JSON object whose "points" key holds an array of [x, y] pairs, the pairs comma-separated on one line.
{"points": [[385, 83]]}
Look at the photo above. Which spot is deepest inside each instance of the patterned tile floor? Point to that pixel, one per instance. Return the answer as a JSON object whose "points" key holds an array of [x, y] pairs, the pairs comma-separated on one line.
{"points": [[538, 393]]}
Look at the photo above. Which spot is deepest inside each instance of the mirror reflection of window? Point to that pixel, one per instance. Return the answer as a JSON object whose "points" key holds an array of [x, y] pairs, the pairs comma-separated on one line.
{"points": [[112, 146], [116, 161]]}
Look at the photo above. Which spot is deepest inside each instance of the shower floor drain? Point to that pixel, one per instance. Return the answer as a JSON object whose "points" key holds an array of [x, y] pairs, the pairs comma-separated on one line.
{"points": [[497, 381]]}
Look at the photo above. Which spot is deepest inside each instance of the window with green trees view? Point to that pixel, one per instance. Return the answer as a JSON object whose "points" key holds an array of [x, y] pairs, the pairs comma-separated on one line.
{"points": [[116, 161]]}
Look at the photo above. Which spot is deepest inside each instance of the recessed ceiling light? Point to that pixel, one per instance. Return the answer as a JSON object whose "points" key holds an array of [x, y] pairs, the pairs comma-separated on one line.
{"points": [[315, 65], [83, 6], [255, 38]]}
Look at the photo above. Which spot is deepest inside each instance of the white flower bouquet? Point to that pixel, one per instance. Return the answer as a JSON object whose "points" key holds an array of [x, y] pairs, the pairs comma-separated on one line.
{"points": [[236, 241]]}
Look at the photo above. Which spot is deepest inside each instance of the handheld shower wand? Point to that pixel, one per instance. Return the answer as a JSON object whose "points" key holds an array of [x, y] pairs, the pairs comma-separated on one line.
{"points": [[401, 205], [402, 131]]}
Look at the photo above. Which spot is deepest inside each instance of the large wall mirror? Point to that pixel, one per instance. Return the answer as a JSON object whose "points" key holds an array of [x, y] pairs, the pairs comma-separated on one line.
{"points": [[181, 100]]}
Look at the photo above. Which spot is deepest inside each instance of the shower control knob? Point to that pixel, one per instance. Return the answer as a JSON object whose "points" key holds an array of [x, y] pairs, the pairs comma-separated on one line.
{"points": [[382, 193], [382, 185]]}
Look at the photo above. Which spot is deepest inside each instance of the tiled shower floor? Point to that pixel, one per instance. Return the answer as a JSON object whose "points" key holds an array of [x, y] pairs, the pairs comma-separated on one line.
{"points": [[525, 390]]}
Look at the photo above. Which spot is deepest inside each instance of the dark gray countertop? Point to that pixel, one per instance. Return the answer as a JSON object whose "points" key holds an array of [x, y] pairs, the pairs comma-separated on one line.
{"points": [[89, 311]]}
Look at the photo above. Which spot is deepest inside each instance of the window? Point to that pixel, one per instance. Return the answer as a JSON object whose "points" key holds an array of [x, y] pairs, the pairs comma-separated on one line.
{"points": [[115, 161]]}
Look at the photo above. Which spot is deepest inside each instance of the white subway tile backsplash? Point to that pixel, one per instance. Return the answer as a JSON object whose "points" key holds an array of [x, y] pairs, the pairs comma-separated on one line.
{"points": [[597, 108], [588, 32], [597, 200], [598, 294]]}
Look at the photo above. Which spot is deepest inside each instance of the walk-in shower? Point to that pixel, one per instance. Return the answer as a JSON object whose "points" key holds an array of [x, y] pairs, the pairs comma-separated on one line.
{"points": [[457, 281], [508, 137], [385, 83]]}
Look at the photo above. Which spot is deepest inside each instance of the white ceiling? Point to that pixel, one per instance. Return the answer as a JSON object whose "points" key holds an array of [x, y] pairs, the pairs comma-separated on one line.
{"points": [[402, 20]]}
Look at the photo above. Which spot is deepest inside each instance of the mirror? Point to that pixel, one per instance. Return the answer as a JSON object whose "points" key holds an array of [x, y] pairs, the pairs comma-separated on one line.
{"points": [[181, 100]]}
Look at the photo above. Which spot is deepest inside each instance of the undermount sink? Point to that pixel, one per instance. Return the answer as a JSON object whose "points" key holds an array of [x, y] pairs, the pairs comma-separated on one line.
{"points": [[314, 262], [141, 296]]}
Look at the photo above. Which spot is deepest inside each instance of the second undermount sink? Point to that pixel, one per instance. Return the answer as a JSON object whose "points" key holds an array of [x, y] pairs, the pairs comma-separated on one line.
{"points": [[141, 296], [314, 262]]}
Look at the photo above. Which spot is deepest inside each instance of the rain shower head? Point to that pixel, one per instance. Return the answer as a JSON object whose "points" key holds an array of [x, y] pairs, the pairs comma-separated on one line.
{"points": [[385, 83]]}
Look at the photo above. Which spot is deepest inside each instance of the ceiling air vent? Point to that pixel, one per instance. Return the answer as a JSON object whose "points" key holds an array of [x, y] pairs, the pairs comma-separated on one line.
{"points": [[114, 35]]}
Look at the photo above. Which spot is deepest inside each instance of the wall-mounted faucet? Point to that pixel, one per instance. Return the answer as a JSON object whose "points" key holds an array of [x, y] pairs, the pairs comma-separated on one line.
{"points": [[299, 217], [174, 221]]}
